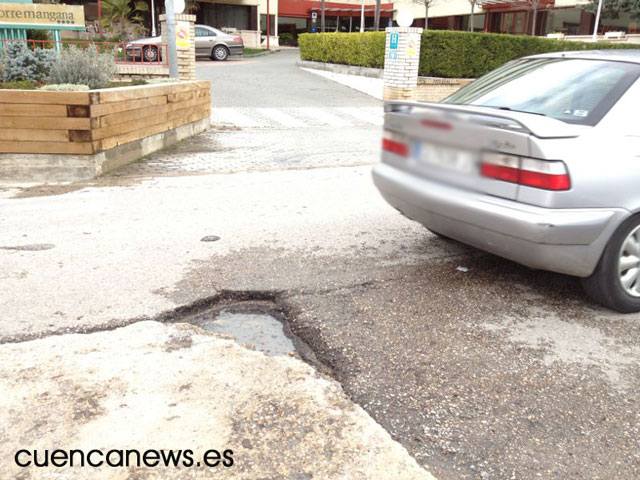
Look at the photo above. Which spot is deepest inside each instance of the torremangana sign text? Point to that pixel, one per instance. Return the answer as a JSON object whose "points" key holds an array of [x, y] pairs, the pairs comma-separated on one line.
{"points": [[41, 14]]}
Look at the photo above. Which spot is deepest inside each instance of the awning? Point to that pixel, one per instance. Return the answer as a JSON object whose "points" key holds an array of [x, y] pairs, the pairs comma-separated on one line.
{"points": [[353, 10]]}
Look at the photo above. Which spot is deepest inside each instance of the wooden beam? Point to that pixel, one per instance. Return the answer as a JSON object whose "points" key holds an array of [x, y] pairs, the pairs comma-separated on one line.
{"points": [[47, 98], [23, 134], [29, 110], [48, 123]]}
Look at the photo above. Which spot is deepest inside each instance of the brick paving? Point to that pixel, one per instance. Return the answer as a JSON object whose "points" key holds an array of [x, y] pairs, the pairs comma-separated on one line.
{"points": [[294, 128]]}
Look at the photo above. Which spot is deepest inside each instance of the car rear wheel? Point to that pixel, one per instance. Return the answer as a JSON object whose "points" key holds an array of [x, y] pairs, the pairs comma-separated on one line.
{"points": [[220, 52], [150, 54], [615, 283]]}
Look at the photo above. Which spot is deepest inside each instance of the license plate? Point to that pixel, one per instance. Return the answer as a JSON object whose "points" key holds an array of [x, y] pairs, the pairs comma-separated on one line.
{"points": [[444, 157]]}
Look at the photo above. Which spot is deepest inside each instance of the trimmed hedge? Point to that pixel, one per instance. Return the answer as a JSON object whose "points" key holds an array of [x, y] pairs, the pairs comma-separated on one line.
{"points": [[446, 54], [360, 49]]}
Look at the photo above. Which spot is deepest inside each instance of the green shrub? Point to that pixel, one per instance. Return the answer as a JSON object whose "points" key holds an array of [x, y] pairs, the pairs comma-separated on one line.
{"points": [[21, 63], [448, 54], [469, 55], [361, 49], [286, 39], [19, 85], [36, 34], [64, 87], [83, 67]]}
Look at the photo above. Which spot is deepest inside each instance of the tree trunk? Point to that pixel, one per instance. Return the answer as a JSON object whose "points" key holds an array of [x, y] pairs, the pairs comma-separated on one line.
{"points": [[322, 16], [376, 16], [534, 4], [426, 16], [473, 6]]}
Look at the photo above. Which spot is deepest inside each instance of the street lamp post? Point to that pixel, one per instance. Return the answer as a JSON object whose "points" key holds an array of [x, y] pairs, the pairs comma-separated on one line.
{"points": [[171, 38], [153, 19], [594, 38], [362, 17]]}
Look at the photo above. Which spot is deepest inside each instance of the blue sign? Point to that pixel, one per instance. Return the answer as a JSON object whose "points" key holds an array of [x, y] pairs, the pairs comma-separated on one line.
{"points": [[393, 41], [393, 55], [313, 30]]}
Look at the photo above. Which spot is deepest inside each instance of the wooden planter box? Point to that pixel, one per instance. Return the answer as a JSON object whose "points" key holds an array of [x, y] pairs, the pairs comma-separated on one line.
{"points": [[44, 134]]}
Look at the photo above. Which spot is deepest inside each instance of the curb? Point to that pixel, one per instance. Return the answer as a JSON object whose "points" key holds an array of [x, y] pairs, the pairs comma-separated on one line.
{"points": [[261, 54], [344, 69]]}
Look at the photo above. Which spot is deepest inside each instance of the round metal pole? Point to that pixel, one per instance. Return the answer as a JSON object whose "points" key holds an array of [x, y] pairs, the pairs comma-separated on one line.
{"points": [[171, 38], [362, 16], [268, 25], [594, 38], [153, 19]]}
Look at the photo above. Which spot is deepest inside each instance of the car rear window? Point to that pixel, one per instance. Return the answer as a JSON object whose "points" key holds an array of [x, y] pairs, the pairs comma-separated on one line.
{"points": [[571, 90]]}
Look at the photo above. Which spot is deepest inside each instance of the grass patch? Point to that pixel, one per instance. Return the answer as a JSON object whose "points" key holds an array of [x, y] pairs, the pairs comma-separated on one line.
{"points": [[18, 85], [253, 51]]}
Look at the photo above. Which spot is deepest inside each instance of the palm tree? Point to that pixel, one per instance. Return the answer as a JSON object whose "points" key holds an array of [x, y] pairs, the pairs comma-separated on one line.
{"points": [[120, 18]]}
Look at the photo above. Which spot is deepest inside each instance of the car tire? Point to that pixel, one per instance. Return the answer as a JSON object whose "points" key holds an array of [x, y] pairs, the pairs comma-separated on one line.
{"points": [[220, 53], [150, 54], [606, 285]]}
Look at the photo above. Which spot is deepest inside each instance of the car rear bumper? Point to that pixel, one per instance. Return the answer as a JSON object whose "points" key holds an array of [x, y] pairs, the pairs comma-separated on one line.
{"points": [[236, 49], [567, 241]]}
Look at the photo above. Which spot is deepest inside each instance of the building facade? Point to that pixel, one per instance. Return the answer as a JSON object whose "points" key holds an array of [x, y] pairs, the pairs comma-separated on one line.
{"points": [[567, 17]]}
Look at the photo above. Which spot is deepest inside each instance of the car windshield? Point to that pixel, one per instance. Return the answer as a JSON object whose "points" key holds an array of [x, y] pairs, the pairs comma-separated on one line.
{"points": [[571, 90]]}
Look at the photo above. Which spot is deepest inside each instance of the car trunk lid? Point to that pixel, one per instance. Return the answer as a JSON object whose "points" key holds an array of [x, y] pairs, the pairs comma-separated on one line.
{"points": [[446, 142]]}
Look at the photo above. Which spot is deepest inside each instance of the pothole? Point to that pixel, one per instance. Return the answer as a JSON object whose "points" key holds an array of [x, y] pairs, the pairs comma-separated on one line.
{"points": [[260, 330], [255, 319]]}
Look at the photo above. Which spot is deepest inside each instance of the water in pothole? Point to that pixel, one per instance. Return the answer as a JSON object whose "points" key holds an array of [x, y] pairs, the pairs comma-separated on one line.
{"points": [[260, 330]]}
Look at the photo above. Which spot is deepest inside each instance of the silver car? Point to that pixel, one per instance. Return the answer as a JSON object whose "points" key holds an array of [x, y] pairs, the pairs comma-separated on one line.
{"points": [[210, 43], [217, 45], [537, 161]]}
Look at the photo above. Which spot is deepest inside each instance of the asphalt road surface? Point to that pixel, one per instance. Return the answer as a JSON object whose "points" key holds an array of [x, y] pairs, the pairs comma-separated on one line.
{"points": [[481, 368]]}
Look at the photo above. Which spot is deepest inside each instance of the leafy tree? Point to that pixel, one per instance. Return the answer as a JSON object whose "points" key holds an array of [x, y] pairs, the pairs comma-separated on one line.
{"points": [[121, 19], [426, 4], [376, 15], [473, 4], [612, 8]]}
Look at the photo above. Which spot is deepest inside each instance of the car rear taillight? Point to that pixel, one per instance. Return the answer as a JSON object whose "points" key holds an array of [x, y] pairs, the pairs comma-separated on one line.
{"points": [[394, 146], [548, 175], [500, 167], [237, 39]]}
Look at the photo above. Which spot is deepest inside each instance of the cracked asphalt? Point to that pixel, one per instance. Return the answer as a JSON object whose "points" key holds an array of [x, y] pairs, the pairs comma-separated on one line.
{"points": [[493, 372]]}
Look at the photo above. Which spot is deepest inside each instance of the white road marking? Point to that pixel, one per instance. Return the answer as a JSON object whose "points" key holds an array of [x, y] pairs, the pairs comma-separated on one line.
{"points": [[233, 116], [373, 115], [279, 116], [297, 117], [321, 115]]}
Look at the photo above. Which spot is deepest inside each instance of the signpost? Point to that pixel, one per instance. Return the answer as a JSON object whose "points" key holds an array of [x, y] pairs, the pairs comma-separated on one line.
{"points": [[171, 38]]}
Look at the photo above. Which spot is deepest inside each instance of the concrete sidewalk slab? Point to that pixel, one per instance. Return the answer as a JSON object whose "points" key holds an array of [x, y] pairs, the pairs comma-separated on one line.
{"points": [[370, 86], [161, 386]]}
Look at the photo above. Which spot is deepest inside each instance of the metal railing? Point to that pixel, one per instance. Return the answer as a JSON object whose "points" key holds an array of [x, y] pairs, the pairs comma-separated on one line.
{"points": [[124, 53]]}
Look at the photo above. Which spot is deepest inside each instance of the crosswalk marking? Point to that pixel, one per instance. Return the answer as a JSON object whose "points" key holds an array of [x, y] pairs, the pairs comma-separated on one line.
{"points": [[372, 116], [297, 117], [232, 116], [322, 116], [279, 116]]}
